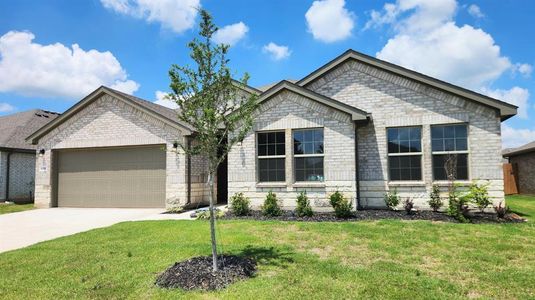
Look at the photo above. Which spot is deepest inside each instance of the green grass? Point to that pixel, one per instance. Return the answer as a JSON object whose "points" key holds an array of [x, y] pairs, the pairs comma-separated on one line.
{"points": [[11, 208], [381, 259]]}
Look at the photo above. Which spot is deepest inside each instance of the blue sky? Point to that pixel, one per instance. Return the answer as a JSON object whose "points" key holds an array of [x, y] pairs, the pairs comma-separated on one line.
{"points": [[52, 53]]}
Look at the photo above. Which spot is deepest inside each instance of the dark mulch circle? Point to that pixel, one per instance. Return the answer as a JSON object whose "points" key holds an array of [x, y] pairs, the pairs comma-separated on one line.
{"points": [[375, 214], [196, 273]]}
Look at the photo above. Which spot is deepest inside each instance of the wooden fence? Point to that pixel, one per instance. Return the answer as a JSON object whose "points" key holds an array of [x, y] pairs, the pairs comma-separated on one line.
{"points": [[510, 179]]}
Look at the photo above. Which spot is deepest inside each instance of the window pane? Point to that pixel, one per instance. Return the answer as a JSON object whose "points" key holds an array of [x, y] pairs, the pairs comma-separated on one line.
{"points": [[280, 137], [308, 141], [309, 169], [271, 143], [262, 150], [280, 149], [405, 167], [271, 149], [449, 137], [459, 163], [404, 139], [262, 138], [271, 169]]}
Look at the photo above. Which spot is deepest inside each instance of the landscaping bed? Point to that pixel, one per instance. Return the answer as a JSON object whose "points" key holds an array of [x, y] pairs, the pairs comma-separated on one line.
{"points": [[376, 214], [196, 273]]}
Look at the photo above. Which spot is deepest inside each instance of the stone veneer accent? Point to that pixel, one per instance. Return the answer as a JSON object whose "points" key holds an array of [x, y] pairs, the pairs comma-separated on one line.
{"points": [[287, 111], [525, 164], [109, 122], [395, 101]]}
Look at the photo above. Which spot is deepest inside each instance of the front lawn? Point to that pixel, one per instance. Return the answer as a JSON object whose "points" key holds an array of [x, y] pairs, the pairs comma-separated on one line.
{"points": [[11, 208], [368, 259]]}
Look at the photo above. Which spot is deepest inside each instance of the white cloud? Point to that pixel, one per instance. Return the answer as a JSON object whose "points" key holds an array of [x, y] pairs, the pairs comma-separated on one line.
{"points": [[516, 96], [329, 21], [277, 52], [6, 107], [230, 34], [475, 11], [177, 15], [524, 69], [161, 99], [54, 70], [512, 137], [428, 40]]}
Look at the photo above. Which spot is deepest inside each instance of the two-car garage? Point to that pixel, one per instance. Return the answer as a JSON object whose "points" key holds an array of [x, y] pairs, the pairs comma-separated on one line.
{"points": [[131, 177]]}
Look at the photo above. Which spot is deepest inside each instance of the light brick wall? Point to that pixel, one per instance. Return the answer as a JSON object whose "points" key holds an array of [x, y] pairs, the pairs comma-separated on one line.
{"points": [[288, 111], [525, 164], [21, 176], [395, 101], [109, 122], [3, 175]]}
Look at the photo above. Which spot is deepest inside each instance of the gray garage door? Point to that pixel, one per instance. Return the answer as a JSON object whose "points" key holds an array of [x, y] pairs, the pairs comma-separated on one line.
{"points": [[112, 177]]}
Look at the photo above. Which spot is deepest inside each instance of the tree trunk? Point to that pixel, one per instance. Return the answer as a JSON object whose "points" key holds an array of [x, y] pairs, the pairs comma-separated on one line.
{"points": [[212, 221]]}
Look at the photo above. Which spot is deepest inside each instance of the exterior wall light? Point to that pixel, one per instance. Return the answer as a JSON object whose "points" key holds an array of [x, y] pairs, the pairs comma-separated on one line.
{"points": [[41, 152]]}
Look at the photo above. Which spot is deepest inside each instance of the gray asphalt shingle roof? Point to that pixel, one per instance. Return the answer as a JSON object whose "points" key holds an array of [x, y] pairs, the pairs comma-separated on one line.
{"points": [[16, 127], [529, 147]]}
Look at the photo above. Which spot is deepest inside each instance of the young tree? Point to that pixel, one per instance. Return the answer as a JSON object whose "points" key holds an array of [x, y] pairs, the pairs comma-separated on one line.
{"points": [[211, 101]]}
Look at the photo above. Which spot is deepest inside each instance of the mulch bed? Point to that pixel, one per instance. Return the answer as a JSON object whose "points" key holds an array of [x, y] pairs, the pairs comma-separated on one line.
{"points": [[376, 214], [196, 273]]}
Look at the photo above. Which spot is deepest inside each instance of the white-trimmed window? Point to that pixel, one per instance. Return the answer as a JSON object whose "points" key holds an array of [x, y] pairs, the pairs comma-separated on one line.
{"points": [[271, 156], [450, 142], [308, 154], [405, 153]]}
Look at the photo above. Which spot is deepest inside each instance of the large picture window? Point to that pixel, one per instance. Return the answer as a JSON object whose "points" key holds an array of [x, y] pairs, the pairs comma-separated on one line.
{"points": [[271, 156], [405, 153], [308, 154], [449, 144]]}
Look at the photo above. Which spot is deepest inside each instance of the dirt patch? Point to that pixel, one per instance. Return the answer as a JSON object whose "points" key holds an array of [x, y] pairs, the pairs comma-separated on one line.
{"points": [[375, 214], [196, 273]]}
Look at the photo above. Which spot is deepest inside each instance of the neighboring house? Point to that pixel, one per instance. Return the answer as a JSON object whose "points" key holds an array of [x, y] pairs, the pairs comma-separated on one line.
{"points": [[523, 161], [357, 124], [17, 156]]}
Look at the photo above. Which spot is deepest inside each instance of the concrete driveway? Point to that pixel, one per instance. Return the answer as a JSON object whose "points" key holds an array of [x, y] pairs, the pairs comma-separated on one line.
{"points": [[21, 229]]}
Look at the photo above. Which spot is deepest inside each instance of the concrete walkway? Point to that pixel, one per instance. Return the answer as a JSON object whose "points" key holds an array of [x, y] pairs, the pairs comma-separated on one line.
{"points": [[21, 229]]}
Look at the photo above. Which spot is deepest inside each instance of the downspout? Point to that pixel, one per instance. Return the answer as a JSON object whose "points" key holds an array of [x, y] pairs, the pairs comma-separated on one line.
{"points": [[8, 163], [188, 163], [357, 173]]}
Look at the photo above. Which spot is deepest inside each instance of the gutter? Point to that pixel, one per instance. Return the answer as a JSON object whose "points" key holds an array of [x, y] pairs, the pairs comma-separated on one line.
{"points": [[357, 173], [188, 165]]}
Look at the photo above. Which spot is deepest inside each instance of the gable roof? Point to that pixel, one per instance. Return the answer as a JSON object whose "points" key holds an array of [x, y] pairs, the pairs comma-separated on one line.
{"points": [[529, 147], [506, 110], [16, 127], [356, 114], [266, 87], [167, 115]]}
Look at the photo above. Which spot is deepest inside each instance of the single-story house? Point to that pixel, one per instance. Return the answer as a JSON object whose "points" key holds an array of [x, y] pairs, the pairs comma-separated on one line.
{"points": [[523, 161], [17, 156], [357, 124]]}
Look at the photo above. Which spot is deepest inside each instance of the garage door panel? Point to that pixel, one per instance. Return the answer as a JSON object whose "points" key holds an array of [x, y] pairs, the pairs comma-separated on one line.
{"points": [[125, 177]]}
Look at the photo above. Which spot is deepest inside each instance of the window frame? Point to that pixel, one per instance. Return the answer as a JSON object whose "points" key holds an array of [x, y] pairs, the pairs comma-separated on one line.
{"points": [[260, 157], [294, 155], [405, 154], [467, 151]]}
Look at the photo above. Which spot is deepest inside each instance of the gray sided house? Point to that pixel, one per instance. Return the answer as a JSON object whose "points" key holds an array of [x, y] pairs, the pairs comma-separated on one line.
{"points": [[17, 156], [356, 125]]}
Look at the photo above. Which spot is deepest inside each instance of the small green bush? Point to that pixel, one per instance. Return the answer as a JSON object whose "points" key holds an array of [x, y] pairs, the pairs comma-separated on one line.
{"points": [[434, 198], [205, 214], [303, 208], [392, 199], [457, 205], [239, 204], [343, 208], [479, 195], [271, 207]]}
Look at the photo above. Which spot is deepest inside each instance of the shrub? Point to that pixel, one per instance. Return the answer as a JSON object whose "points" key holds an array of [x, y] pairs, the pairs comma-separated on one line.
{"points": [[501, 210], [239, 204], [303, 206], [205, 214], [342, 207], [434, 198], [392, 199], [457, 205], [271, 207], [479, 195], [408, 205]]}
